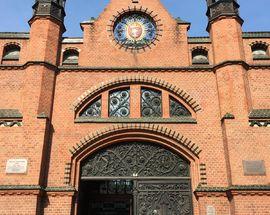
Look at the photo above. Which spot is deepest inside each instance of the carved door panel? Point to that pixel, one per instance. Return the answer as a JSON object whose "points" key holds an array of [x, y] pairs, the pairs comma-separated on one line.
{"points": [[167, 197]]}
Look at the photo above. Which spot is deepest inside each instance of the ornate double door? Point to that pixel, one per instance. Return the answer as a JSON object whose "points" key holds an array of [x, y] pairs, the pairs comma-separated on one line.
{"points": [[135, 179]]}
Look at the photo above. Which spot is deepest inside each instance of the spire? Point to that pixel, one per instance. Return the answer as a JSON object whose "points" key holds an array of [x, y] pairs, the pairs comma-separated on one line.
{"points": [[53, 8], [217, 8]]}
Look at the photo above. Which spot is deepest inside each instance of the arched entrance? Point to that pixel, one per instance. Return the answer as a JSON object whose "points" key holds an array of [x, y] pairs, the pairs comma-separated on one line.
{"points": [[135, 178]]}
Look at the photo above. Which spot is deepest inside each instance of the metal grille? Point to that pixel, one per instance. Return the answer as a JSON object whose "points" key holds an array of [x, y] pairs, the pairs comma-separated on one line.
{"points": [[151, 103], [93, 109], [164, 197], [135, 160], [120, 103], [177, 109]]}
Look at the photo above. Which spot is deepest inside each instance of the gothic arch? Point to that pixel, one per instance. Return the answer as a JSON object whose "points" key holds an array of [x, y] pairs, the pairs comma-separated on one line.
{"points": [[188, 99]]}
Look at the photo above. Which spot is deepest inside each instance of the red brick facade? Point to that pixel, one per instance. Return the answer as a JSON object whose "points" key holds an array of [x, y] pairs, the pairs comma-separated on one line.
{"points": [[228, 99]]}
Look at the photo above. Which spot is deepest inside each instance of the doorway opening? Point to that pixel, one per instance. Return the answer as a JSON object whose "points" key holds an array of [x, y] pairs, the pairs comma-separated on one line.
{"points": [[135, 178], [108, 197]]}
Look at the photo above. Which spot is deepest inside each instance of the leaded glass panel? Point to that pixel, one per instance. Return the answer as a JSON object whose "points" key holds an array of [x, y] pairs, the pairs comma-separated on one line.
{"points": [[151, 103], [177, 109], [93, 109], [120, 103]]}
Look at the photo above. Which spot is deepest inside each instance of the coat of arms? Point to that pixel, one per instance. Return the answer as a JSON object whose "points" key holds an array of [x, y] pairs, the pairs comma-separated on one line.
{"points": [[135, 30]]}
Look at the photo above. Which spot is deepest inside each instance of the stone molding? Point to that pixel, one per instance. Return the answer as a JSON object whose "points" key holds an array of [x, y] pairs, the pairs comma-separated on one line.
{"points": [[196, 68], [233, 190], [144, 128], [203, 39], [143, 80], [10, 118], [173, 120], [36, 190], [27, 64], [259, 118]]}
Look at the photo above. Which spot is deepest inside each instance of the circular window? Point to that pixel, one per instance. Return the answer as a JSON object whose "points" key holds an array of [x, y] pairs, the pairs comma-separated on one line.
{"points": [[135, 30]]}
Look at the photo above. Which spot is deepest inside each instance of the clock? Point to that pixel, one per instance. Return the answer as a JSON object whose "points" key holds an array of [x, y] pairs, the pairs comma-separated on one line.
{"points": [[135, 30]]}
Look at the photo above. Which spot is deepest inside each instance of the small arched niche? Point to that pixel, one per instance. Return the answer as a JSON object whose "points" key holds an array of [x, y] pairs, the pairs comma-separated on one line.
{"points": [[70, 57], [200, 56], [11, 53], [259, 51]]}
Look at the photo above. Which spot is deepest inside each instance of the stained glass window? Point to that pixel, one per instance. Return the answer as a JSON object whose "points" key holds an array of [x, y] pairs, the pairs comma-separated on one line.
{"points": [[151, 103], [177, 109], [120, 103], [93, 109], [135, 30]]}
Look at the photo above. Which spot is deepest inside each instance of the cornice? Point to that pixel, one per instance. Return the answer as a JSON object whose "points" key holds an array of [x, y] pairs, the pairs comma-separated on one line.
{"points": [[233, 190], [196, 68], [176, 120], [198, 39], [135, 69], [27, 64], [36, 190]]}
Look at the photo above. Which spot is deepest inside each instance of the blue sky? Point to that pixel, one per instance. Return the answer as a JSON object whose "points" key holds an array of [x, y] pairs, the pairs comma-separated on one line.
{"points": [[15, 14]]}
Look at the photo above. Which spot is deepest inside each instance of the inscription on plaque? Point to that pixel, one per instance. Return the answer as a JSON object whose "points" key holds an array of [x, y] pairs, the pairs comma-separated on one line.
{"points": [[254, 167], [16, 166], [211, 210]]}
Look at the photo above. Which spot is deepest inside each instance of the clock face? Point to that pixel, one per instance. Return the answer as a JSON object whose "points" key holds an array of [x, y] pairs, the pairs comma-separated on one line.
{"points": [[135, 30]]}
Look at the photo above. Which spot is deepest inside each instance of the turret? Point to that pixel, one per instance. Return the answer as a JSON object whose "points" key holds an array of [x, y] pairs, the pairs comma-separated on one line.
{"points": [[53, 8], [225, 28], [217, 8]]}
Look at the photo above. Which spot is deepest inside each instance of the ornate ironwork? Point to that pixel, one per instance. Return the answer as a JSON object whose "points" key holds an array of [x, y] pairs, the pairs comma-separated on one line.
{"points": [[135, 160], [116, 187], [135, 30], [93, 109], [164, 198], [151, 103], [177, 109], [120, 103]]}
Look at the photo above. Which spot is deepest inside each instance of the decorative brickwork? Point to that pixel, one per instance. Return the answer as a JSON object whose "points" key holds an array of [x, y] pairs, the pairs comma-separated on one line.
{"points": [[143, 128], [218, 97], [137, 80]]}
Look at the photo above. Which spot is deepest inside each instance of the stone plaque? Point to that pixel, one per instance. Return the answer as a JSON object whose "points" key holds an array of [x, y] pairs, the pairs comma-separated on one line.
{"points": [[210, 210], [16, 166], [254, 167]]}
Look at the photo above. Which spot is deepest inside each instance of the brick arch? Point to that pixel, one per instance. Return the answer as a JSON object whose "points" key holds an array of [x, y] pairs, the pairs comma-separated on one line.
{"points": [[144, 132], [259, 42], [12, 44], [200, 48], [71, 48], [151, 133], [188, 99]]}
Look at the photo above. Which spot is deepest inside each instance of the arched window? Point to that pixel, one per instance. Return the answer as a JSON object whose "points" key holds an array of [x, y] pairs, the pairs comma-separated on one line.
{"points": [[70, 57], [93, 109], [200, 56], [140, 103], [177, 109], [11, 53], [259, 50], [119, 101], [151, 103]]}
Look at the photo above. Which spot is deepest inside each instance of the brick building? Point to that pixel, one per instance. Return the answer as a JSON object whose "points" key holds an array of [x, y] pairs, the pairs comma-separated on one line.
{"points": [[135, 117]]}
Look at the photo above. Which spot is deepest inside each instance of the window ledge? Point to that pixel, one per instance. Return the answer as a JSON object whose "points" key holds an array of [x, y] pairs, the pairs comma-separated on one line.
{"points": [[174, 120], [262, 57], [10, 58]]}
